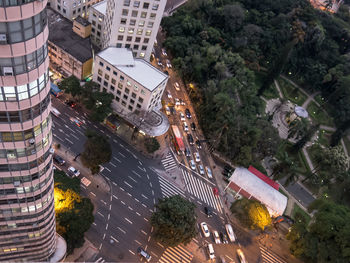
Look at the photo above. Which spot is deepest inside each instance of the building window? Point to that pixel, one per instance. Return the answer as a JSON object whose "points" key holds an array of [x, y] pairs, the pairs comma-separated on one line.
{"points": [[136, 88], [121, 78], [153, 16], [127, 91], [120, 37], [132, 101], [101, 64], [134, 13], [125, 12], [106, 76], [137, 40], [142, 23], [145, 5], [130, 30], [112, 88], [99, 72], [139, 31], [130, 108], [155, 7], [140, 99], [73, 12], [136, 47], [93, 22], [146, 40], [105, 83], [138, 106], [119, 45], [117, 98], [121, 29], [150, 24], [108, 68], [93, 30], [126, 2], [104, 90], [99, 79], [119, 92], [148, 32], [120, 85], [129, 38], [132, 22], [123, 103], [143, 14], [114, 81], [125, 97], [143, 92], [136, 3], [142, 54], [127, 45], [133, 95], [144, 48], [115, 73], [123, 21]]}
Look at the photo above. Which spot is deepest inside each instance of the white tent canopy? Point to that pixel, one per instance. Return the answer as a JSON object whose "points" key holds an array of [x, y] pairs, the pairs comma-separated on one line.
{"points": [[274, 201]]}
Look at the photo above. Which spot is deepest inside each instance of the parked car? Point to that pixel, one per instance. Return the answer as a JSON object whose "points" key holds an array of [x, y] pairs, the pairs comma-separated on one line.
{"points": [[241, 256], [142, 253], [187, 152], [160, 63], [216, 237], [177, 86], [201, 169], [190, 139], [58, 159], [55, 112], [230, 233], [177, 102], [188, 114], [197, 157], [193, 126], [208, 211], [73, 172], [224, 238], [168, 64], [169, 95], [209, 173], [167, 110], [198, 144], [185, 126], [193, 165], [205, 229], [211, 251], [182, 102], [182, 117], [71, 103], [164, 52], [228, 169]]}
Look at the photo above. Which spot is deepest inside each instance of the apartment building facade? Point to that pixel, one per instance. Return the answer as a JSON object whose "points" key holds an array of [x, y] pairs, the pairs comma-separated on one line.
{"points": [[133, 24], [27, 215], [97, 16], [71, 9], [135, 84]]}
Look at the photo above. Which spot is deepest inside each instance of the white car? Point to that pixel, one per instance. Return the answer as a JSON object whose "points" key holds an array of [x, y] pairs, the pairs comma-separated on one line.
{"points": [[182, 117], [177, 102], [205, 229], [216, 237], [211, 251], [160, 63], [241, 256], [55, 112], [167, 110], [230, 233], [177, 86], [168, 64], [193, 165], [201, 169], [209, 173], [169, 95], [197, 157], [182, 102], [73, 172], [164, 52], [185, 126]]}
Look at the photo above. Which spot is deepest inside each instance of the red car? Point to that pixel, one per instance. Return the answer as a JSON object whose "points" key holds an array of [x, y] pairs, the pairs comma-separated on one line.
{"points": [[215, 191]]}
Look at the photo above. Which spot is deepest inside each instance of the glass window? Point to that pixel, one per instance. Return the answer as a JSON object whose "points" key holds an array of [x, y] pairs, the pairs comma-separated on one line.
{"points": [[145, 5], [139, 31], [153, 16], [148, 32], [121, 29], [142, 23], [136, 3], [125, 12], [137, 39], [143, 14], [132, 22]]}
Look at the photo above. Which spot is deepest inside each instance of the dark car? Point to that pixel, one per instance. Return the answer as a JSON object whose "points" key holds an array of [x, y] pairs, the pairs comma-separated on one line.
{"points": [[190, 139], [208, 211], [141, 252], [166, 72], [188, 114], [58, 159], [187, 152], [198, 143], [193, 126], [224, 238], [228, 168], [71, 103]]}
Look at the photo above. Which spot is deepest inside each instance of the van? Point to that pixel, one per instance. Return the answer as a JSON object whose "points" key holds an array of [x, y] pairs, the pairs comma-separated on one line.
{"points": [[55, 112], [211, 251], [230, 233]]}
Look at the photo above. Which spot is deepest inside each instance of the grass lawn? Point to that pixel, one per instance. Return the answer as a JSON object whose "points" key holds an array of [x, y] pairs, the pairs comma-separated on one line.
{"points": [[297, 209], [324, 137], [319, 99], [291, 93], [318, 115]]}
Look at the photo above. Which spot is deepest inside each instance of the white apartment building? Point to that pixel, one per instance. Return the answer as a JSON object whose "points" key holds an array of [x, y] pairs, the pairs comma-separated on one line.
{"points": [[73, 8], [133, 24], [97, 15], [134, 83]]}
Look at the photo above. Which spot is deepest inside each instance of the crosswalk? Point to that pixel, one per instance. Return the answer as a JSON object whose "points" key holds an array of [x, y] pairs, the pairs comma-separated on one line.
{"points": [[100, 260], [177, 254], [269, 256], [169, 162], [169, 189], [201, 190]]}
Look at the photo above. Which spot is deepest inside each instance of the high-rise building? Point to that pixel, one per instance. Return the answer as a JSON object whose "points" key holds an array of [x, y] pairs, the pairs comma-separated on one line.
{"points": [[71, 9], [133, 24], [27, 216]]}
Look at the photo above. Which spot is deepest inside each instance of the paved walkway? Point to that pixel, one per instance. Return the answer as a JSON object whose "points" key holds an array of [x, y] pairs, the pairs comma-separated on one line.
{"points": [[310, 98], [277, 85]]}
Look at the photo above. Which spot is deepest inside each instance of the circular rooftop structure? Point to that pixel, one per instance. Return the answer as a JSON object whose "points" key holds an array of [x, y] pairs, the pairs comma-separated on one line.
{"points": [[301, 112]]}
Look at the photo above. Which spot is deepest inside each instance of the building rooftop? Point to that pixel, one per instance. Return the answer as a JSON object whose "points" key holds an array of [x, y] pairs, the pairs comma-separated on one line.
{"points": [[82, 21], [137, 69], [61, 34], [101, 7]]}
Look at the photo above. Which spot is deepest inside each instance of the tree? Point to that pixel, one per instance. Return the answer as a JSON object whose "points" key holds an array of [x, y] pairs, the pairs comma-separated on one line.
{"points": [[97, 151], [100, 104], [326, 239], [152, 144], [174, 221], [298, 128], [285, 168], [307, 137], [72, 86], [74, 214], [252, 213]]}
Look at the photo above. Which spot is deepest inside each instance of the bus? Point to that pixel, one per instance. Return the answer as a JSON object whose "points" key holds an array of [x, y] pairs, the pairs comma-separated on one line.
{"points": [[177, 140]]}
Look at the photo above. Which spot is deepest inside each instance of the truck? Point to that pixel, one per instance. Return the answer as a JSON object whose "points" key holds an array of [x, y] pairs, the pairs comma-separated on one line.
{"points": [[177, 140]]}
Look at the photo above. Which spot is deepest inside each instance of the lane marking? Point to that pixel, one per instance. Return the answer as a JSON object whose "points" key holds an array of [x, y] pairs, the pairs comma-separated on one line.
{"points": [[115, 184], [144, 196], [131, 252], [143, 232], [132, 179], [144, 205], [115, 197], [69, 141], [115, 158], [109, 216], [130, 208], [123, 231], [110, 207], [145, 219], [142, 169], [121, 154], [94, 223], [112, 237], [136, 173], [92, 193], [122, 202], [112, 164], [154, 254], [137, 200], [137, 242], [104, 202], [122, 189], [100, 246], [137, 213], [100, 214], [128, 184], [159, 244], [140, 163], [127, 220], [108, 169], [107, 226]]}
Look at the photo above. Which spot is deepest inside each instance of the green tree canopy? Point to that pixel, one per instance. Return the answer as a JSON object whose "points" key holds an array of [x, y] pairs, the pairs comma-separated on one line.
{"points": [[97, 151], [252, 213], [152, 144], [71, 85], [98, 102], [174, 221]]}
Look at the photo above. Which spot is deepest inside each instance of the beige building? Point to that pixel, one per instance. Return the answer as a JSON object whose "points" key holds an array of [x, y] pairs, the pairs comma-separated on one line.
{"points": [[136, 85], [27, 215], [70, 53], [71, 9], [133, 24], [97, 15]]}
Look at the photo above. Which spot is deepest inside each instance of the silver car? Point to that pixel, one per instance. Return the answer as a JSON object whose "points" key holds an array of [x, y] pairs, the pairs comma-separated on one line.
{"points": [[193, 165], [201, 169]]}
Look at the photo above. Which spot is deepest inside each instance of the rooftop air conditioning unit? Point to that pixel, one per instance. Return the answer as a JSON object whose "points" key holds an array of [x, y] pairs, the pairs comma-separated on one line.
{"points": [[3, 39], [8, 71]]}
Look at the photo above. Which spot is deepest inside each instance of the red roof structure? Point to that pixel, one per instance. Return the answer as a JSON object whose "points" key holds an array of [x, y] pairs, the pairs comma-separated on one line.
{"points": [[263, 177]]}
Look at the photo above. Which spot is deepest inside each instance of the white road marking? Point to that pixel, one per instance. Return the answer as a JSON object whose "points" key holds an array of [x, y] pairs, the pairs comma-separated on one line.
{"points": [[92, 193], [100, 246], [150, 184], [145, 219], [144, 196], [143, 232], [149, 238], [147, 176], [121, 230], [108, 169], [144, 205], [137, 213], [107, 226], [114, 140], [137, 200], [132, 179], [75, 136], [109, 216], [154, 254], [142, 169], [69, 141], [112, 164], [102, 131], [137, 242], [127, 184], [115, 158], [115, 197], [122, 202], [136, 173], [103, 202], [131, 252], [122, 189], [94, 223], [112, 237], [127, 220], [229, 257], [100, 214], [130, 208], [152, 192], [121, 154], [159, 244], [110, 207], [140, 163], [83, 186]]}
